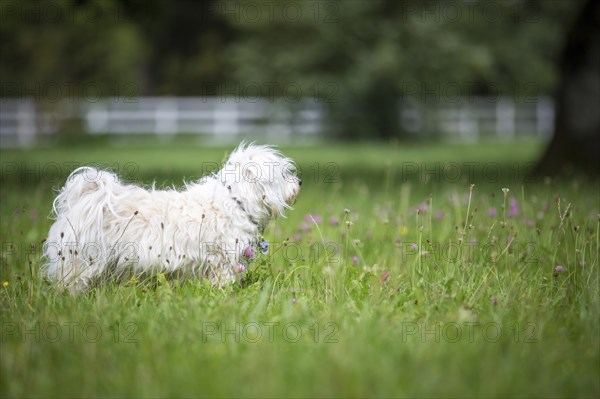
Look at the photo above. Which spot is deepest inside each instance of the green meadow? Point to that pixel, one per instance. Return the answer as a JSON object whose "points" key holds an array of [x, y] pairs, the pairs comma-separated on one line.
{"points": [[404, 270]]}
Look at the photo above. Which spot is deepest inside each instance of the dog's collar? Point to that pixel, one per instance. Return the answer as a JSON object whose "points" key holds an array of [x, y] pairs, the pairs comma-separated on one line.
{"points": [[261, 227]]}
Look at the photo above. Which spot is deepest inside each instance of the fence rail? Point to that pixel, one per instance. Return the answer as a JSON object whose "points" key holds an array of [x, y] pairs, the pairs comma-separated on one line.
{"points": [[23, 120]]}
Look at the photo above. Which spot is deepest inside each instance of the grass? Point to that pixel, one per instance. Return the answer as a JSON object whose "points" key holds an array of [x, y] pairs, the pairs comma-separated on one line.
{"points": [[404, 281]]}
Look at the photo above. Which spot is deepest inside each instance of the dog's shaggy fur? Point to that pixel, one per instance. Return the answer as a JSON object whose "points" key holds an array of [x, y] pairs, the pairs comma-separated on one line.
{"points": [[106, 228]]}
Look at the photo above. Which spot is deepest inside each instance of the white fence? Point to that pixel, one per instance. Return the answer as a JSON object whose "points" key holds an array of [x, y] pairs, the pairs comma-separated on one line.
{"points": [[23, 121], [481, 118]]}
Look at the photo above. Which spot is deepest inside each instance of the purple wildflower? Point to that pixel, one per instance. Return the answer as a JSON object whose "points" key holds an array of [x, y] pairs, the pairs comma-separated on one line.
{"points": [[439, 215], [355, 259], [334, 221], [514, 208], [559, 269], [423, 207], [304, 227], [297, 237], [492, 212], [240, 268], [414, 246], [384, 277], [313, 218], [249, 252]]}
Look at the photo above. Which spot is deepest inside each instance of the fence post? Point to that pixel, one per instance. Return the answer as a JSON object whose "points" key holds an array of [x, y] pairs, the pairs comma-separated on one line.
{"points": [[468, 125], [505, 119], [96, 118], [544, 118], [166, 116], [26, 122], [226, 118]]}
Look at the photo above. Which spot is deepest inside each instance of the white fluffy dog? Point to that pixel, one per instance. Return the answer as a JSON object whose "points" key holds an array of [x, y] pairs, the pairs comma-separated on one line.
{"points": [[105, 228]]}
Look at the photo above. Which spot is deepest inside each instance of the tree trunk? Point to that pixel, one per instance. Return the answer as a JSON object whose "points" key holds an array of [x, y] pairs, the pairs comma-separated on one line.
{"points": [[576, 142]]}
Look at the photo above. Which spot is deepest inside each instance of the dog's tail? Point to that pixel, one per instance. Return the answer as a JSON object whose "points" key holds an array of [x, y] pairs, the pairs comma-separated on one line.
{"points": [[86, 188], [80, 211]]}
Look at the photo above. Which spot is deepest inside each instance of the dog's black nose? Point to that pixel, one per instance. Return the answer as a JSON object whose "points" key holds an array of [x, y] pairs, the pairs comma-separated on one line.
{"points": [[299, 182]]}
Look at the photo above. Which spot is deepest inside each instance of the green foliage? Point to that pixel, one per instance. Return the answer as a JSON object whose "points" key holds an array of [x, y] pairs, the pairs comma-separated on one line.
{"points": [[359, 59], [379, 301], [102, 48], [77, 48], [376, 53]]}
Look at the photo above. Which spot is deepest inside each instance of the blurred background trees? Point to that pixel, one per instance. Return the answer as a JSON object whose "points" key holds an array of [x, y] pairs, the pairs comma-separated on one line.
{"points": [[371, 50], [62, 42], [363, 60], [377, 53]]}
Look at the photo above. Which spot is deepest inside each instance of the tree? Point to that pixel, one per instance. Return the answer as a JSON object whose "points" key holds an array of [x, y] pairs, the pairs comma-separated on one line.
{"points": [[376, 54], [61, 49], [100, 48], [576, 140]]}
